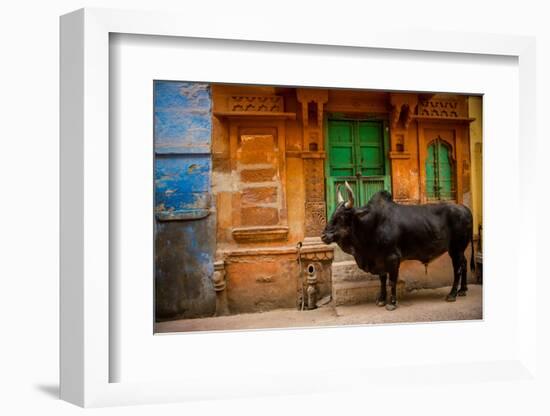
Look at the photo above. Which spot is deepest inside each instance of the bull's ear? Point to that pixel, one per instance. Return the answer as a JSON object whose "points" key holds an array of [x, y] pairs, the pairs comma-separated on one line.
{"points": [[361, 212]]}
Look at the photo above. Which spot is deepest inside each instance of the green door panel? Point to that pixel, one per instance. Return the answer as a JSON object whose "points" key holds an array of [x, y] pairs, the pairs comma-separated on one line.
{"points": [[341, 149], [371, 148], [369, 186], [439, 171], [357, 154], [432, 188], [445, 172]]}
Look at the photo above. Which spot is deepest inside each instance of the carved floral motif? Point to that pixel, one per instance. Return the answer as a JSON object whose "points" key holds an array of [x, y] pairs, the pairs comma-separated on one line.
{"points": [[314, 180], [315, 197]]}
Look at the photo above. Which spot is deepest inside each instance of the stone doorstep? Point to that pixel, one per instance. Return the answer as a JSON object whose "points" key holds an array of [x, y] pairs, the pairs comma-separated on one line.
{"points": [[347, 271], [352, 293], [351, 285]]}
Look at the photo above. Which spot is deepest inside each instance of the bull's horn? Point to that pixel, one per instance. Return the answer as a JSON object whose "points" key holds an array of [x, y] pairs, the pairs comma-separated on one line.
{"points": [[339, 194], [351, 196]]}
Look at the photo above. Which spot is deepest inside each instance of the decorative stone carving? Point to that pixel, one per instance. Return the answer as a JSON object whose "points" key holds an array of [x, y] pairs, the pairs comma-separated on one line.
{"points": [[442, 107], [315, 218], [315, 208], [395, 114], [314, 180], [313, 155], [256, 103], [316, 253], [408, 116]]}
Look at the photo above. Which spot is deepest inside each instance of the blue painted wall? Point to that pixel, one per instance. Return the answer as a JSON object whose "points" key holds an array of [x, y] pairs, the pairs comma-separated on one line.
{"points": [[185, 230]]}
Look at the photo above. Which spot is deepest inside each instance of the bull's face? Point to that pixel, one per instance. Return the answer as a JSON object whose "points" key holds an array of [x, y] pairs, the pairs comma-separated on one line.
{"points": [[338, 229]]}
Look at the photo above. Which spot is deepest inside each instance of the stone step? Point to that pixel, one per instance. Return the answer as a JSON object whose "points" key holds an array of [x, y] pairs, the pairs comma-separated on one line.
{"points": [[339, 255], [347, 271], [353, 293]]}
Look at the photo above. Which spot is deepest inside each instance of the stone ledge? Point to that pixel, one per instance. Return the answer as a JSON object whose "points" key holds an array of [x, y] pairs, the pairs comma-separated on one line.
{"points": [[399, 155], [347, 271], [353, 293], [260, 234]]}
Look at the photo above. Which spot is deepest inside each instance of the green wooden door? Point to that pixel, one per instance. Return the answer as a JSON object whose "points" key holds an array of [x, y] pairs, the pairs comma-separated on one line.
{"points": [[439, 171], [357, 153]]}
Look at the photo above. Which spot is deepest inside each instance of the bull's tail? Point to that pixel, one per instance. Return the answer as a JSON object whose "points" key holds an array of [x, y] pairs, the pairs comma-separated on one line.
{"points": [[472, 257]]}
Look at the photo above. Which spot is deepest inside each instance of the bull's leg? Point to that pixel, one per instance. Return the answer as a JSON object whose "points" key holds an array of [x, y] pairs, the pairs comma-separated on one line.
{"points": [[394, 273], [463, 278], [457, 271], [383, 292]]}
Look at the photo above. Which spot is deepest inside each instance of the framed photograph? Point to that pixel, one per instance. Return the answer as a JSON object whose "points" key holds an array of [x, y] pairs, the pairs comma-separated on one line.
{"points": [[287, 213]]}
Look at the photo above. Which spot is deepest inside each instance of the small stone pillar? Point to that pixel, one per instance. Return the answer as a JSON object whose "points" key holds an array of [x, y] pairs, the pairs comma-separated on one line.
{"points": [[316, 281], [218, 279], [311, 291]]}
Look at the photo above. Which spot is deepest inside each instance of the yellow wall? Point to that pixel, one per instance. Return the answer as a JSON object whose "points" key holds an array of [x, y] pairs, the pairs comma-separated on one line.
{"points": [[475, 110]]}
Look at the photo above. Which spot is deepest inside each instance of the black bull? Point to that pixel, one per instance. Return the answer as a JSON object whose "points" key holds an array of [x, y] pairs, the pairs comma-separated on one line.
{"points": [[383, 233]]}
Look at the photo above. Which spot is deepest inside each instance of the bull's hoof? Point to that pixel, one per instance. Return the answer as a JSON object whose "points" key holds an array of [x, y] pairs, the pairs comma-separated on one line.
{"points": [[450, 298], [462, 292], [380, 302], [391, 307]]}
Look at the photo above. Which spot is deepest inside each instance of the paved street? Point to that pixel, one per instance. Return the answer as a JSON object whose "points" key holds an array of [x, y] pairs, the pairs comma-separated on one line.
{"points": [[418, 306]]}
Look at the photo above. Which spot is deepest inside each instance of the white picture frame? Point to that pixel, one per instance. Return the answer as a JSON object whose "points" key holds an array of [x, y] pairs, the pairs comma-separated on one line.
{"points": [[86, 292]]}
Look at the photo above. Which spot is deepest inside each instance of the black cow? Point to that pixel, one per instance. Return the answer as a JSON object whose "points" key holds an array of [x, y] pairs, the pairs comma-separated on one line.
{"points": [[383, 233]]}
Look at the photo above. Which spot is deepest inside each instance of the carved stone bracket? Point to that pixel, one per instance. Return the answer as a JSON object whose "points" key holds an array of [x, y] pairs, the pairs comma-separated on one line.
{"points": [[403, 112], [318, 98], [403, 109], [395, 115], [409, 115]]}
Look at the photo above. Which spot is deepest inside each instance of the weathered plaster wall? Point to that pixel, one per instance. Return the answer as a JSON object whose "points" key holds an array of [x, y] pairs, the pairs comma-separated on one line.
{"points": [[230, 186], [185, 224], [256, 198], [405, 169], [475, 108], [258, 185]]}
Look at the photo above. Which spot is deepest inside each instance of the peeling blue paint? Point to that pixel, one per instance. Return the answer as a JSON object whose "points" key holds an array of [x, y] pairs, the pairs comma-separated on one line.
{"points": [[183, 128], [183, 117], [182, 183], [185, 233]]}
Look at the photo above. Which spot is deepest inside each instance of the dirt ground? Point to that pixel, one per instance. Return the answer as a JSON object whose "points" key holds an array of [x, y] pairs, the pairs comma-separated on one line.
{"points": [[425, 305]]}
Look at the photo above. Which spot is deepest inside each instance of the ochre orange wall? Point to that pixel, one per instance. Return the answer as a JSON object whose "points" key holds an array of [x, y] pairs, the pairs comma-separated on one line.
{"points": [[245, 259]]}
